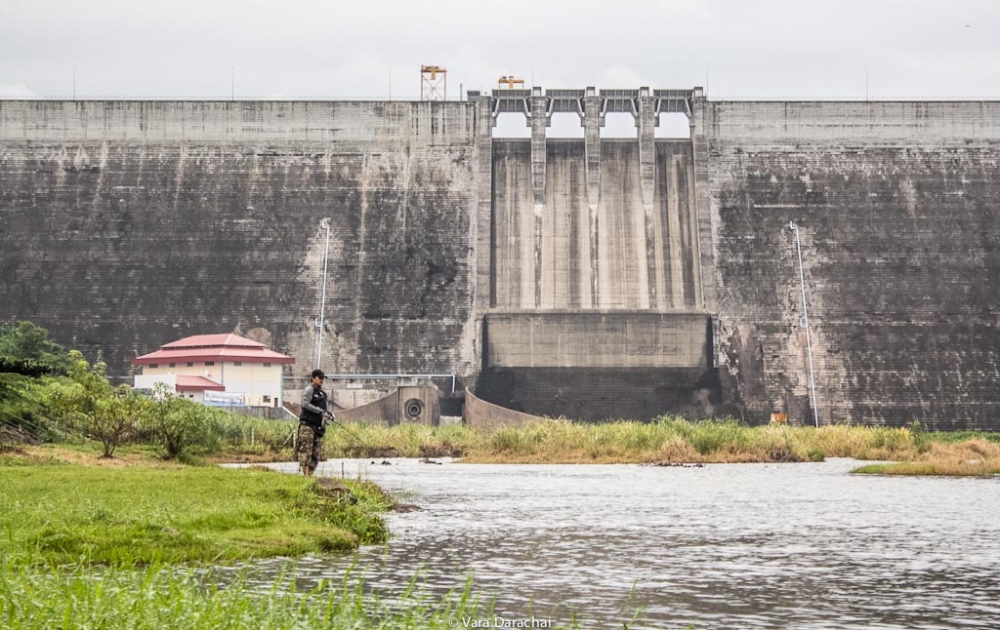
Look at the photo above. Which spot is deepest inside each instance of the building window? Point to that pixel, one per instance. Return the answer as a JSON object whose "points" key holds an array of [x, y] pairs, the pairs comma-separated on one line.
{"points": [[207, 363], [267, 365], [237, 363], [171, 365], [266, 399], [190, 364], [154, 365]]}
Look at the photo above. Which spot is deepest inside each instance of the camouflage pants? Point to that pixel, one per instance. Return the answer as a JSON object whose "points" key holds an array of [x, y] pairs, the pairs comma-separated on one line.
{"points": [[310, 447]]}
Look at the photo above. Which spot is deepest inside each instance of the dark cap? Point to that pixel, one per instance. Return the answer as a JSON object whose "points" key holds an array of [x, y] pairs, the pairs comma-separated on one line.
{"points": [[319, 373]]}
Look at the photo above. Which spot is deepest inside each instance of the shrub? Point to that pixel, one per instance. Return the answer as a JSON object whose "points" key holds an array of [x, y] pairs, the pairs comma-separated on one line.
{"points": [[177, 423], [114, 419]]}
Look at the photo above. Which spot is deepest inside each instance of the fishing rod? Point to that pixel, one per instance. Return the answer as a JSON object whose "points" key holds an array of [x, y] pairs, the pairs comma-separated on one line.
{"points": [[328, 421]]}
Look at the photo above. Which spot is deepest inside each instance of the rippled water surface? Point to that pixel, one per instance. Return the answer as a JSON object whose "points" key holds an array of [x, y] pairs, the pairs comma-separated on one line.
{"points": [[734, 546]]}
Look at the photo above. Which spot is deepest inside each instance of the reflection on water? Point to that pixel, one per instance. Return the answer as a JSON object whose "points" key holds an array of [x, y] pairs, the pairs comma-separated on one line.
{"points": [[740, 545]]}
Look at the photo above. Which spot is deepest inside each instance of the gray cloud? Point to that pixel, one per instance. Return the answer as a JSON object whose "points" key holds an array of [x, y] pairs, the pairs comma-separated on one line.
{"points": [[310, 49]]}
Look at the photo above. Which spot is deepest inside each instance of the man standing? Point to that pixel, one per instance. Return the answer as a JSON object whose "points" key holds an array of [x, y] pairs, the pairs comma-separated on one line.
{"points": [[311, 423]]}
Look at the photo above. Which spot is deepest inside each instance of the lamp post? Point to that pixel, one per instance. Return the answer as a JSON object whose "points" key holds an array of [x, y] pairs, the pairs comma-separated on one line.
{"points": [[322, 299], [805, 318]]}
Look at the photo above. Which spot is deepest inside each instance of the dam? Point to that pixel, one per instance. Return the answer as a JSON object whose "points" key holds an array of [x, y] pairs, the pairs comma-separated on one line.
{"points": [[589, 277]]}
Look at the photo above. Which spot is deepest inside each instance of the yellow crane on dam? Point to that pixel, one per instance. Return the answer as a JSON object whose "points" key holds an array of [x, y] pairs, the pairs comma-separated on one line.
{"points": [[510, 82]]}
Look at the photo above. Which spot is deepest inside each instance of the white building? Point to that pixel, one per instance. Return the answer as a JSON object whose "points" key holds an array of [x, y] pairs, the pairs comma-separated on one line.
{"points": [[220, 370]]}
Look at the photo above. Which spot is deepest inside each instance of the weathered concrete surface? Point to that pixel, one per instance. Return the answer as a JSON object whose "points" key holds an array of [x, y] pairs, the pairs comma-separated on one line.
{"points": [[126, 225], [576, 252], [480, 414], [591, 339], [899, 207], [417, 404]]}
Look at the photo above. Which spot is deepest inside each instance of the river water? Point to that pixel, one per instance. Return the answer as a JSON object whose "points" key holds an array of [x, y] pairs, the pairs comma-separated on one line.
{"points": [[721, 546]]}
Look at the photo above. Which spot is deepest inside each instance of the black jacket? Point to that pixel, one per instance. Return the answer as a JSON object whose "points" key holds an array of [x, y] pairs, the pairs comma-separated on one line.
{"points": [[314, 405]]}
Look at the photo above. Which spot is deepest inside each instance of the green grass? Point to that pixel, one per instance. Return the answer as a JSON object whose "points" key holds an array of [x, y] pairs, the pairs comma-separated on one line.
{"points": [[162, 598], [137, 515], [103, 545]]}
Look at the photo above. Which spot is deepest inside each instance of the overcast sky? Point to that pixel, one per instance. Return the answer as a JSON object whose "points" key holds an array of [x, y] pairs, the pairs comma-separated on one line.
{"points": [[335, 49]]}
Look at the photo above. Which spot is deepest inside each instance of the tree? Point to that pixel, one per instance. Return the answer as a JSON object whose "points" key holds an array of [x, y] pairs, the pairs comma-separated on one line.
{"points": [[94, 407], [24, 367], [114, 419], [26, 342], [89, 385]]}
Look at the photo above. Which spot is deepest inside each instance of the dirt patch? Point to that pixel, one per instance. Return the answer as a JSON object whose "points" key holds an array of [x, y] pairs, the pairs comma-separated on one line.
{"points": [[84, 458]]}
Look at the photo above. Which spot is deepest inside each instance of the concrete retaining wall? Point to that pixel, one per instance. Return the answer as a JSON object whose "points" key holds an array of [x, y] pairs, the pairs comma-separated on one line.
{"points": [[415, 405], [480, 414]]}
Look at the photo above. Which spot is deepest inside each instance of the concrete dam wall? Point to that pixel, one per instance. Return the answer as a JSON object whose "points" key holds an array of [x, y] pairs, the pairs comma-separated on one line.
{"points": [[899, 210], [591, 278], [126, 225]]}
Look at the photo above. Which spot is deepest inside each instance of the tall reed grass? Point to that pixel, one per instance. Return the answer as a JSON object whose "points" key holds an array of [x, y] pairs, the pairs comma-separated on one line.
{"points": [[668, 439]]}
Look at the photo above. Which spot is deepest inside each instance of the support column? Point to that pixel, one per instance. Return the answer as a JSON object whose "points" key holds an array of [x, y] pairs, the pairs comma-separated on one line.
{"points": [[705, 254], [539, 121], [593, 120], [484, 239], [647, 121]]}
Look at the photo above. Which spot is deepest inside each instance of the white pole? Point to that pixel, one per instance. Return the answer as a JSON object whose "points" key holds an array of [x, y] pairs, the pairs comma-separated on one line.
{"points": [[805, 318], [322, 300]]}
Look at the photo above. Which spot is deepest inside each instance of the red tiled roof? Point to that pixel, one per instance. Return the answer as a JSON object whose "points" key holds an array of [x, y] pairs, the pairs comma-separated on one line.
{"points": [[210, 341], [245, 355], [222, 348], [198, 384]]}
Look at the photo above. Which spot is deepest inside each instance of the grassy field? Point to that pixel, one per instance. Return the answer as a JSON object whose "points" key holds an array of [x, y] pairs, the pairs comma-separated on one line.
{"points": [[90, 542], [126, 516]]}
